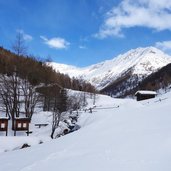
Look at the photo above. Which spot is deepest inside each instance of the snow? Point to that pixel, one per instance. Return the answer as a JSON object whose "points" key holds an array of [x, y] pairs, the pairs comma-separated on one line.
{"points": [[12, 142], [146, 92], [141, 61], [136, 136]]}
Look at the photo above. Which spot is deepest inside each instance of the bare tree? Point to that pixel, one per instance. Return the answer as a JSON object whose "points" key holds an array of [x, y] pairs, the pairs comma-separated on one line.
{"points": [[60, 106], [17, 94], [4, 96], [76, 101], [19, 46], [10, 95], [30, 97], [55, 121]]}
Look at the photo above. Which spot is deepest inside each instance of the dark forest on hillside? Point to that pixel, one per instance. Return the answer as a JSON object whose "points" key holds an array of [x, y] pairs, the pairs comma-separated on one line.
{"points": [[26, 82], [37, 71], [158, 80], [128, 84]]}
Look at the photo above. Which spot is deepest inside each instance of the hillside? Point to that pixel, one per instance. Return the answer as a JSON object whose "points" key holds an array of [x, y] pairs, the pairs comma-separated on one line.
{"points": [[135, 64], [37, 71], [158, 80], [135, 136]]}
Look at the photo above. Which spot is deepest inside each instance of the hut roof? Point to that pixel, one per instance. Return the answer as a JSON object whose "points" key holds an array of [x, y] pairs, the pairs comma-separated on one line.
{"points": [[145, 92]]}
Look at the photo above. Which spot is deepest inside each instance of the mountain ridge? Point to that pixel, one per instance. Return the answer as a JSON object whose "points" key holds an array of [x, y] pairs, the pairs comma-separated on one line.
{"points": [[141, 62]]}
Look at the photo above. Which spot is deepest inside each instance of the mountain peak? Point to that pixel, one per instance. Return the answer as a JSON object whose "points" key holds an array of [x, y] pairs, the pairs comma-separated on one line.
{"points": [[141, 52], [140, 61]]}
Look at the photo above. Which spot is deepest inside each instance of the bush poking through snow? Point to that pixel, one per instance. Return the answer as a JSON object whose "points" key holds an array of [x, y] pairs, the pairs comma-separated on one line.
{"points": [[25, 146]]}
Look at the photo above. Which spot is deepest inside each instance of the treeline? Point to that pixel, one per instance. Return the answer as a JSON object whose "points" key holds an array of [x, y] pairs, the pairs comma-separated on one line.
{"points": [[38, 72]]}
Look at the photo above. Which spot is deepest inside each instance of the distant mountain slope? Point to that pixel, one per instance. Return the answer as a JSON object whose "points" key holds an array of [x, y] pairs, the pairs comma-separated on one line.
{"points": [[135, 64], [158, 80]]}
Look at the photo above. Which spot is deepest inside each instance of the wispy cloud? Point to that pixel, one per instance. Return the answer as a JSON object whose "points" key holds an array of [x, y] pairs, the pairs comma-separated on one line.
{"points": [[55, 42], [142, 13], [82, 47], [165, 45], [26, 37]]}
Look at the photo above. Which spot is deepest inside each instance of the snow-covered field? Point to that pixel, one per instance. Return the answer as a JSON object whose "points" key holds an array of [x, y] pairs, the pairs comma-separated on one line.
{"points": [[136, 136]]}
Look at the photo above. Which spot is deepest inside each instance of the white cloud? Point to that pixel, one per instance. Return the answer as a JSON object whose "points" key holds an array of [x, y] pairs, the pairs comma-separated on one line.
{"points": [[82, 47], [154, 14], [26, 37], [165, 45], [55, 42]]}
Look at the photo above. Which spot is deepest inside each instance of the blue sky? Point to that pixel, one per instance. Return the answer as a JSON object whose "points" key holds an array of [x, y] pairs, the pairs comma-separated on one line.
{"points": [[84, 32]]}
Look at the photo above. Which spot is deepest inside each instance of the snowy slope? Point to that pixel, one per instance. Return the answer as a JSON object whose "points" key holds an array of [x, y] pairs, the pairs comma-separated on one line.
{"points": [[142, 61], [134, 137]]}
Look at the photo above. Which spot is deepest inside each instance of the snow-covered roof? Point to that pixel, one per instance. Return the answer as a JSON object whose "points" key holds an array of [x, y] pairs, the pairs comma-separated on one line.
{"points": [[4, 117], [146, 92]]}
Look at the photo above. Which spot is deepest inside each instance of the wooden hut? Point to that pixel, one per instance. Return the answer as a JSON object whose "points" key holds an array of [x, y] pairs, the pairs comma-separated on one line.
{"points": [[4, 125], [145, 94]]}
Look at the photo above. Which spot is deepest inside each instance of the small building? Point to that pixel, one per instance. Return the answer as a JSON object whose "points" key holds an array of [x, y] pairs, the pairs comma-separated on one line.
{"points": [[145, 94]]}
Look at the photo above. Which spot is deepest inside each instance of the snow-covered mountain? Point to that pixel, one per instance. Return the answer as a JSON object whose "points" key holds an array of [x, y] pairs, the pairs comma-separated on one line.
{"points": [[141, 62]]}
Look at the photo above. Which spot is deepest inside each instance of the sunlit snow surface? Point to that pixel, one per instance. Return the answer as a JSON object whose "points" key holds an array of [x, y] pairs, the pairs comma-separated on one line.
{"points": [[136, 136], [142, 62]]}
